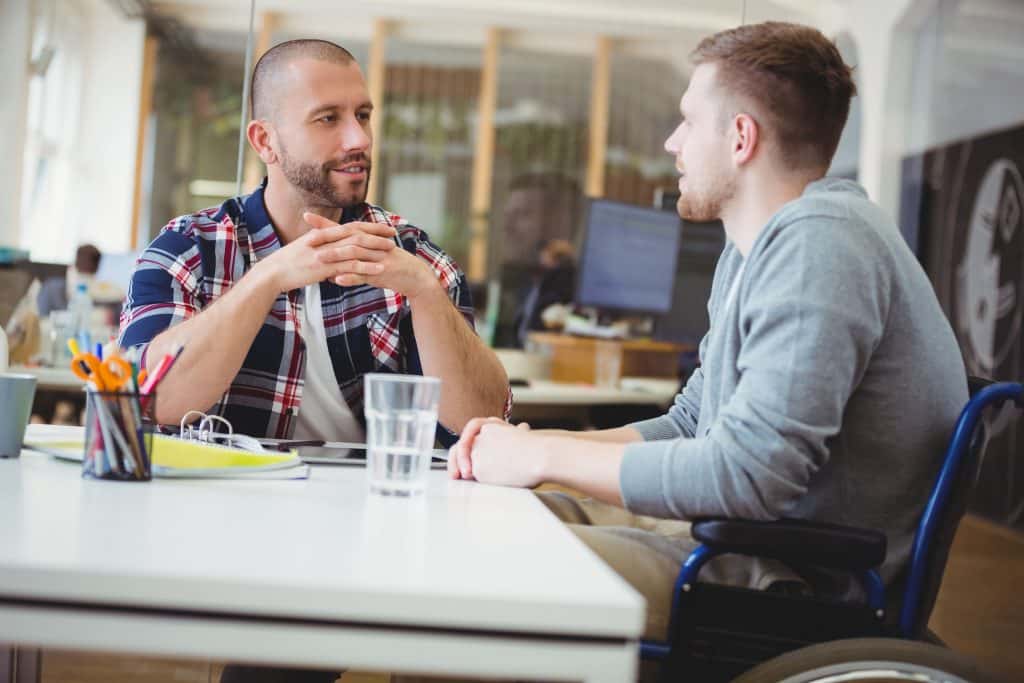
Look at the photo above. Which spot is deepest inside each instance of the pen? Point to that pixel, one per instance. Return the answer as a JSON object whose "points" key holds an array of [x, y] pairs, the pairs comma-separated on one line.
{"points": [[161, 370]]}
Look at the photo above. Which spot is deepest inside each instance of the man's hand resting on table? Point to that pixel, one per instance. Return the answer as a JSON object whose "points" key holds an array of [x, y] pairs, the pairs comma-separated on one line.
{"points": [[492, 451]]}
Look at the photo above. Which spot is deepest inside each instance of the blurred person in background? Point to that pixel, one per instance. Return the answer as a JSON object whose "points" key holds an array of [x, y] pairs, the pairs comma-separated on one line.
{"points": [[56, 292], [554, 282]]}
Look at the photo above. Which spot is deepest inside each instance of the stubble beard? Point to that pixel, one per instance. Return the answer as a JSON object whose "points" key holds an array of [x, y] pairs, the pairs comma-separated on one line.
{"points": [[701, 206], [314, 181]]}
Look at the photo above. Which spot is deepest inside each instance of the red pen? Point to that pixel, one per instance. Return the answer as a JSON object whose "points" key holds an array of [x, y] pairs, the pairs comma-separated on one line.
{"points": [[160, 371]]}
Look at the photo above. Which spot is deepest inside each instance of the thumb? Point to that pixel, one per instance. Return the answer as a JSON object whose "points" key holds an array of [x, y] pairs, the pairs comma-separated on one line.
{"points": [[315, 220]]}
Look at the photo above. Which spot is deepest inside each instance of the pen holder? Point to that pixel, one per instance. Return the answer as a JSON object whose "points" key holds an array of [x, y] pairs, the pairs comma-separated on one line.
{"points": [[118, 436]]}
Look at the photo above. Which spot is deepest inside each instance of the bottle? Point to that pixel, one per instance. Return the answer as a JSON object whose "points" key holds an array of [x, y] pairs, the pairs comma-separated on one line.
{"points": [[3, 350], [80, 308]]}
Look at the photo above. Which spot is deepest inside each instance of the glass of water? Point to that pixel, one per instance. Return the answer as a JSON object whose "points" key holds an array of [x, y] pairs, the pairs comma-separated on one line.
{"points": [[401, 418]]}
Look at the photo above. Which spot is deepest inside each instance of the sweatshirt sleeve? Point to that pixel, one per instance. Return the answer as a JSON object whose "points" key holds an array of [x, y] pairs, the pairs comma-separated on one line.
{"points": [[813, 303], [681, 419]]}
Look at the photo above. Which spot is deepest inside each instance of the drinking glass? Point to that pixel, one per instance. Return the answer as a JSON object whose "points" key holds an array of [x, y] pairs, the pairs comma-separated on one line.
{"points": [[401, 420]]}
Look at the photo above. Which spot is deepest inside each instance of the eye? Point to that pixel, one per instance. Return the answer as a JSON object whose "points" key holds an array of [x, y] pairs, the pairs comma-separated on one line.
{"points": [[327, 118], [363, 116]]}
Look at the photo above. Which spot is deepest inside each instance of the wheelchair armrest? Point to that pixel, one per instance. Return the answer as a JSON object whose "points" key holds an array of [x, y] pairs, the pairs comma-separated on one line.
{"points": [[796, 542]]}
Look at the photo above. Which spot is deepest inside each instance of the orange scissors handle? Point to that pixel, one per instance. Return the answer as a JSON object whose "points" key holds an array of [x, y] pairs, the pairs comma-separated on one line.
{"points": [[108, 375], [87, 368], [117, 373]]}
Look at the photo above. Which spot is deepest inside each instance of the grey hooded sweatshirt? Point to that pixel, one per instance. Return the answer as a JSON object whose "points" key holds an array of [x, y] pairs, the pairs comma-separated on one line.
{"points": [[829, 383]]}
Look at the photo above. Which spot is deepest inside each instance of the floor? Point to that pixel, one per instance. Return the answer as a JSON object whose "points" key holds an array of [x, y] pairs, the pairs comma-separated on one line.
{"points": [[979, 612], [980, 608]]}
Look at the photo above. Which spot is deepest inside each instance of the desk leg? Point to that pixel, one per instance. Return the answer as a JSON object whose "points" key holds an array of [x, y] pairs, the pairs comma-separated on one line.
{"points": [[20, 665]]}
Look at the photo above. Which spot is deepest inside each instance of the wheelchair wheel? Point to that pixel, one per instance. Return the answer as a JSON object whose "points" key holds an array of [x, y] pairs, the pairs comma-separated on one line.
{"points": [[868, 660]]}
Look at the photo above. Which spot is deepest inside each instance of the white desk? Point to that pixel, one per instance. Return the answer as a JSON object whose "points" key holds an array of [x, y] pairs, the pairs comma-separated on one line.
{"points": [[639, 392], [466, 580], [572, 403], [54, 379]]}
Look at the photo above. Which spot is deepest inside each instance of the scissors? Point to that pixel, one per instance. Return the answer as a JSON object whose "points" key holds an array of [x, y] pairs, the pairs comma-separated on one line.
{"points": [[110, 374]]}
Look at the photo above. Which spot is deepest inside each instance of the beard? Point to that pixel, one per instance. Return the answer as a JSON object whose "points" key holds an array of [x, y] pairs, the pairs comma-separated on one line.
{"points": [[314, 181], [702, 205]]}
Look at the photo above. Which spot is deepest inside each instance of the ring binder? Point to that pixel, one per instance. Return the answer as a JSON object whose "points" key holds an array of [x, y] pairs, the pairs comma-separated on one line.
{"points": [[206, 432]]}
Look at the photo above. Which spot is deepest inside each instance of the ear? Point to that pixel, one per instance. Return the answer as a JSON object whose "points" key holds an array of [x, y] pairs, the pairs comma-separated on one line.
{"points": [[746, 136], [258, 133]]}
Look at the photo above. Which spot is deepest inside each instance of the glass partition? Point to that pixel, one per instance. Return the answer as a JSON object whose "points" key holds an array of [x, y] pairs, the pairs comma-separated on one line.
{"points": [[427, 135]]}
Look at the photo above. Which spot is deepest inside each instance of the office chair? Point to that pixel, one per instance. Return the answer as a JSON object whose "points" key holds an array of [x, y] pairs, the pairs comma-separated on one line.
{"points": [[717, 632]]}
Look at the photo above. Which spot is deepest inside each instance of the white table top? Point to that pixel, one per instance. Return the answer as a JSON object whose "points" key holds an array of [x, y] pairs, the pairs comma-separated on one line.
{"points": [[51, 378], [463, 555]]}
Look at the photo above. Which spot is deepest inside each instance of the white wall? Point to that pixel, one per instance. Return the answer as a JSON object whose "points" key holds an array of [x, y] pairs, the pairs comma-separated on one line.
{"points": [[970, 57], [15, 38], [84, 123], [109, 130], [883, 33]]}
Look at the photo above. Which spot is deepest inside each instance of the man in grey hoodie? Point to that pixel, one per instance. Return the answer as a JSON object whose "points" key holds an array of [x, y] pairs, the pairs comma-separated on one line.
{"points": [[830, 378]]}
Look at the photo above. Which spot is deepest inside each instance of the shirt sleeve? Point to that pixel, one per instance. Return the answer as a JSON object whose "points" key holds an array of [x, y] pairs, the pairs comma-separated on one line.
{"points": [[447, 271], [813, 311], [164, 290], [455, 283]]}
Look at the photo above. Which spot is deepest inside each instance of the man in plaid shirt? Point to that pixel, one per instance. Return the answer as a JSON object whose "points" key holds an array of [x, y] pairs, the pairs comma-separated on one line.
{"points": [[286, 297]]}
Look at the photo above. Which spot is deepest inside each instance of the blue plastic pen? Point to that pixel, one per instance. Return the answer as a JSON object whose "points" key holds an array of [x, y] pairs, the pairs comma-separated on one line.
{"points": [[99, 350]]}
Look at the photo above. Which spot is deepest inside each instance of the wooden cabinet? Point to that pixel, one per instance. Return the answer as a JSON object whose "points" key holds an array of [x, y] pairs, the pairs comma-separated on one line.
{"points": [[604, 361]]}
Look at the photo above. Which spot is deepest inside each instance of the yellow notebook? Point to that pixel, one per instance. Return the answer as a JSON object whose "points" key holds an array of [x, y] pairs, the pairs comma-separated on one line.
{"points": [[176, 457]]}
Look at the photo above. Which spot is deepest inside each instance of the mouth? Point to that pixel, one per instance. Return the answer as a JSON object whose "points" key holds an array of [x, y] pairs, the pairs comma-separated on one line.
{"points": [[353, 171]]}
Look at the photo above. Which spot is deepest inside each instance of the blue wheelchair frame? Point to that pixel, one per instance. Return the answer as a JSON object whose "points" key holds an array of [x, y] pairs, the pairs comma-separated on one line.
{"points": [[963, 451]]}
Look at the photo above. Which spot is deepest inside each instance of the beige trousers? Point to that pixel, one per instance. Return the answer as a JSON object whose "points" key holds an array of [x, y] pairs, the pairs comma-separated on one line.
{"points": [[645, 551]]}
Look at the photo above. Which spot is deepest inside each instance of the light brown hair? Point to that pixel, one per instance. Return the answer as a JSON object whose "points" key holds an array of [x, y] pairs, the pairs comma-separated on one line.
{"points": [[795, 79]]}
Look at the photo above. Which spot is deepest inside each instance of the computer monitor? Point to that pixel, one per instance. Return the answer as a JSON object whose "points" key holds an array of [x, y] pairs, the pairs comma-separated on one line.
{"points": [[628, 259], [700, 246]]}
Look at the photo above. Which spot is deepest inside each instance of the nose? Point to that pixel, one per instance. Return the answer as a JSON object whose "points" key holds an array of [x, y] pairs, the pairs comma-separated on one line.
{"points": [[673, 143], [355, 137]]}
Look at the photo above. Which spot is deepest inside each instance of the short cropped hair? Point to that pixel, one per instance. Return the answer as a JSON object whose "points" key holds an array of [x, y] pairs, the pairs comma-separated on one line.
{"points": [[795, 78], [269, 66]]}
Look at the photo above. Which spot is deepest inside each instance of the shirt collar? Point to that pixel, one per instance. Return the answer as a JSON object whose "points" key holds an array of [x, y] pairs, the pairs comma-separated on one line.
{"points": [[262, 236]]}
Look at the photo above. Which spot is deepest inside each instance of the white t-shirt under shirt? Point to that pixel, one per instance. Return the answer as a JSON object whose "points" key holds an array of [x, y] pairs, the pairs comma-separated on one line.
{"points": [[323, 412]]}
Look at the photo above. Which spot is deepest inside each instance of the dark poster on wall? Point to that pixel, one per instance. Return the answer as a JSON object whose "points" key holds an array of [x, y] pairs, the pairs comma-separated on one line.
{"points": [[969, 232]]}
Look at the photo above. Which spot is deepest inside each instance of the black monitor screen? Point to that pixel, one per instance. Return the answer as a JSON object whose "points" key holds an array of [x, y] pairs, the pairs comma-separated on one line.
{"points": [[699, 248], [628, 261]]}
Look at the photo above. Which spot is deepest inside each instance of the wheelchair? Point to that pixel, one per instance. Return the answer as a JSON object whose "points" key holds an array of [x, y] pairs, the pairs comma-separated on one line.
{"points": [[720, 632]]}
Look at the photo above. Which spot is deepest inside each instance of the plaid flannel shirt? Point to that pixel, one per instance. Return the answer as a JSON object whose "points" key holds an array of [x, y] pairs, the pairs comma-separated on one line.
{"points": [[196, 258]]}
